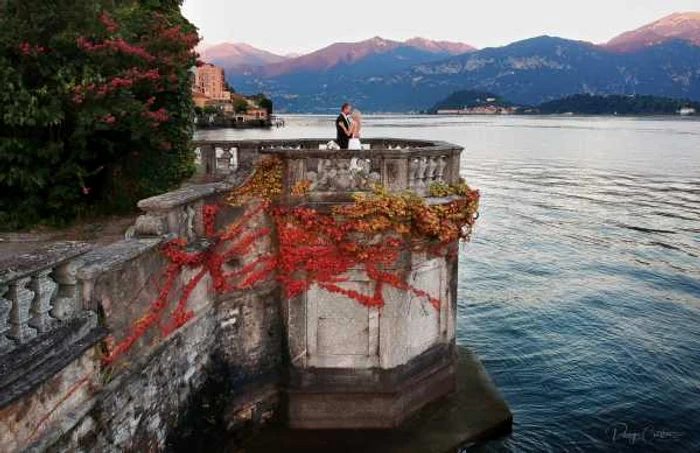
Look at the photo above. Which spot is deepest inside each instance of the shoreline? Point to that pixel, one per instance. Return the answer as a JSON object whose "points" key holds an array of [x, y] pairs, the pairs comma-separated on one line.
{"points": [[481, 116]]}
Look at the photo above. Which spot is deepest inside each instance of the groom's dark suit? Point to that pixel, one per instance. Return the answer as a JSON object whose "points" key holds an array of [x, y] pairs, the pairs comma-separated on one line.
{"points": [[341, 137]]}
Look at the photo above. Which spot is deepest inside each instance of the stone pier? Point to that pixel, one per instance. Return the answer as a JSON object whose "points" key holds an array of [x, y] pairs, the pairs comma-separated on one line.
{"points": [[380, 365]]}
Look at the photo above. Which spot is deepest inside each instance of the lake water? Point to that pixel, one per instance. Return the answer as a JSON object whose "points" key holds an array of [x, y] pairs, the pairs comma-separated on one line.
{"points": [[581, 289]]}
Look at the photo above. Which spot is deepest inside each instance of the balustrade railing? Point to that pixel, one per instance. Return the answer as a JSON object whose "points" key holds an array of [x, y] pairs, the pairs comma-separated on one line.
{"points": [[218, 159], [397, 164], [38, 291], [178, 213]]}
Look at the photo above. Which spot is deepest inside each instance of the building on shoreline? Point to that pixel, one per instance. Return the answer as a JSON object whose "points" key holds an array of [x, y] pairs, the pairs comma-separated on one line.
{"points": [[200, 99], [217, 105], [210, 81], [479, 110]]}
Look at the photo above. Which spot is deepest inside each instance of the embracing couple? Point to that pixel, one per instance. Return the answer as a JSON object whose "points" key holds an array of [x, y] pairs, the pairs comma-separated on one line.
{"points": [[348, 127]]}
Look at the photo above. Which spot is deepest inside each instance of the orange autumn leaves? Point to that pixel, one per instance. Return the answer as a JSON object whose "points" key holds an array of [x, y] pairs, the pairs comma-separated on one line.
{"points": [[374, 233]]}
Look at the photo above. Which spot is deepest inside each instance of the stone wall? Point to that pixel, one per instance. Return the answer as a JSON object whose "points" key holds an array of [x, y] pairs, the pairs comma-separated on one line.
{"points": [[224, 365]]}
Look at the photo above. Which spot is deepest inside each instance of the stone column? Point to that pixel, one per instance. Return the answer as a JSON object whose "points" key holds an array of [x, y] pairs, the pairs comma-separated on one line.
{"points": [[21, 298], [67, 302], [5, 307], [395, 174], [452, 170], [44, 289], [208, 159]]}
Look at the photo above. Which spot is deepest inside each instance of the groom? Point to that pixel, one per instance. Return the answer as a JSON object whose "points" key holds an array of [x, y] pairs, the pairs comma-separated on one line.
{"points": [[343, 120]]}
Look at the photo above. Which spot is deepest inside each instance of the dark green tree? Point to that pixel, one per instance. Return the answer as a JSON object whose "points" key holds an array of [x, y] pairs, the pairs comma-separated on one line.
{"points": [[264, 102], [240, 105], [95, 103]]}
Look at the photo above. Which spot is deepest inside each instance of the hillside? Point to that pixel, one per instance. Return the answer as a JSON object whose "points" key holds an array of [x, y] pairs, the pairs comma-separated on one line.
{"points": [[616, 105], [682, 26]]}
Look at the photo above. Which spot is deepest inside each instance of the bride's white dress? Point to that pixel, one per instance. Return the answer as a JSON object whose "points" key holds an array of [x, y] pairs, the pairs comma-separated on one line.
{"points": [[355, 144]]}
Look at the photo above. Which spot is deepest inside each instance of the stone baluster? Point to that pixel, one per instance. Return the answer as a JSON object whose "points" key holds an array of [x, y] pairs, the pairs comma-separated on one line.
{"points": [[452, 171], [421, 176], [217, 158], [44, 289], [234, 158], [67, 302], [413, 175], [205, 157], [21, 298], [190, 214], [5, 306], [209, 159], [440, 171], [430, 173]]}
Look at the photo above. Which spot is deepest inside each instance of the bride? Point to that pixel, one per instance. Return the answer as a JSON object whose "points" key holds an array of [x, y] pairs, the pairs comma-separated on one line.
{"points": [[355, 131]]}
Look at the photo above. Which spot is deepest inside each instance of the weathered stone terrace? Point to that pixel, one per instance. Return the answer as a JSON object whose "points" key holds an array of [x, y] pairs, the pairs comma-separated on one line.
{"points": [[242, 349]]}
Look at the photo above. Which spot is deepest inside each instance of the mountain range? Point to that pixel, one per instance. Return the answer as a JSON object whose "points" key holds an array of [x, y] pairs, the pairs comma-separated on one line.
{"points": [[241, 58], [684, 26], [662, 58]]}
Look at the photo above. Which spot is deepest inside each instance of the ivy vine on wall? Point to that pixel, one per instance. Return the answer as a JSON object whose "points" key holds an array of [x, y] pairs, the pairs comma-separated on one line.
{"points": [[313, 248]]}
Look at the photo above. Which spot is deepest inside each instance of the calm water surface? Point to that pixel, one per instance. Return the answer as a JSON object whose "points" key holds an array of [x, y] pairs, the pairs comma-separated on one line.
{"points": [[581, 289]]}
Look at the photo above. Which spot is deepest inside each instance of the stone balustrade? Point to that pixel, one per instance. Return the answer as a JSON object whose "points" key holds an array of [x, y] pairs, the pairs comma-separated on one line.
{"points": [[218, 159], [180, 213], [38, 291], [397, 164]]}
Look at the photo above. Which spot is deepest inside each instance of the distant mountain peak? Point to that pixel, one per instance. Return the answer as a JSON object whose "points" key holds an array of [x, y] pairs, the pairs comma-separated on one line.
{"points": [[449, 47], [684, 26], [350, 53], [228, 54], [378, 40]]}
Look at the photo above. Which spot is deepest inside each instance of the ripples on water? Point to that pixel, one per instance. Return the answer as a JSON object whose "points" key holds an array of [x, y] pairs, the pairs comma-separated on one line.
{"points": [[581, 289], [581, 294]]}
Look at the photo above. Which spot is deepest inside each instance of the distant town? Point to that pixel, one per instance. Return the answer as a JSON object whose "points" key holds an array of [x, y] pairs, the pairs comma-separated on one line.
{"points": [[468, 102], [218, 105]]}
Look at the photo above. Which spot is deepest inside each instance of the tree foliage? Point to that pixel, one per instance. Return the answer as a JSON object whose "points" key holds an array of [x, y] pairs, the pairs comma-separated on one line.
{"points": [[263, 102], [616, 105], [95, 106], [240, 105]]}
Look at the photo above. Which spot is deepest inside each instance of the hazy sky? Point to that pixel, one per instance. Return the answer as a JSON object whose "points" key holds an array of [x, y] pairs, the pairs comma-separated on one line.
{"points": [[303, 25]]}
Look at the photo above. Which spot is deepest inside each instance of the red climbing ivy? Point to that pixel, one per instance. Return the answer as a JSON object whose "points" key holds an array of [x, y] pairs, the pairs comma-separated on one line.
{"points": [[210, 257], [313, 248]]}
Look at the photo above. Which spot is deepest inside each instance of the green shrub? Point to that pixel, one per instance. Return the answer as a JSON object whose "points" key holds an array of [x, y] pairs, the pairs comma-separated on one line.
{"points": [[95, 106]]}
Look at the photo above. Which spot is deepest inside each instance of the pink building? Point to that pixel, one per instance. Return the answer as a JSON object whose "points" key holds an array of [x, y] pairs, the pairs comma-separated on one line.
{"points": [[210, 81]]}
